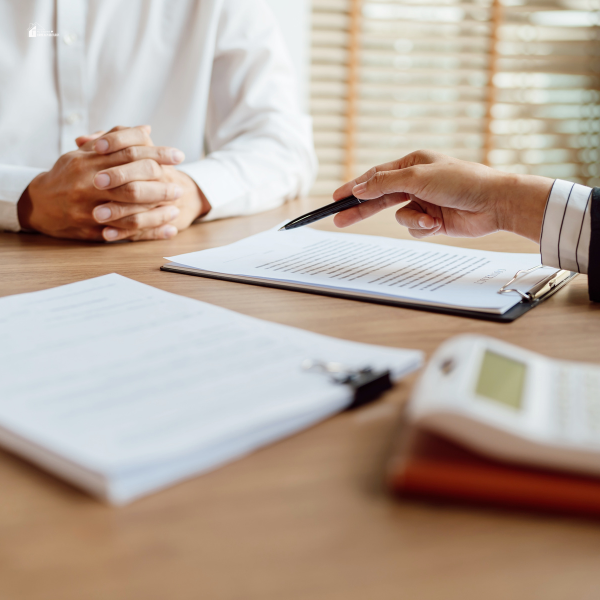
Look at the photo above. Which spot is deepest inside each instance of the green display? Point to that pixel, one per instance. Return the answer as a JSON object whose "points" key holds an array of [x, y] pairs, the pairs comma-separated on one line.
{"points": [[501, 379]]}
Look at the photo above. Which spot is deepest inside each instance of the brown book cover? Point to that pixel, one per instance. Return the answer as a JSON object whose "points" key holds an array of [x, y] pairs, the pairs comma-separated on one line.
{"points": [[426, 465]]}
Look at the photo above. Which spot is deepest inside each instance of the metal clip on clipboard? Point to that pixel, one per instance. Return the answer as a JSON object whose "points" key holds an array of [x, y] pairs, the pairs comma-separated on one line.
{"points": [[366, 384], [543, 289]]}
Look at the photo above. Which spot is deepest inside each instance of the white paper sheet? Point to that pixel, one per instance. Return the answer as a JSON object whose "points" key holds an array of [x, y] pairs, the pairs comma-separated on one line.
{"points": [[121, 378], [401, 269]]}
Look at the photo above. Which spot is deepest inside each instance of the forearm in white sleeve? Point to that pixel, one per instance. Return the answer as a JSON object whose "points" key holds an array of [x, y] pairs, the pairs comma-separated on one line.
{"points": [[13, 182], [566, 229], [259, 144]]}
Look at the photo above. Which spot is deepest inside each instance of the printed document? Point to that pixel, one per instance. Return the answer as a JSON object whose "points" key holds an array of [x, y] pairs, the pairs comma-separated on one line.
{"points": [[415, 271], [123, 388]]}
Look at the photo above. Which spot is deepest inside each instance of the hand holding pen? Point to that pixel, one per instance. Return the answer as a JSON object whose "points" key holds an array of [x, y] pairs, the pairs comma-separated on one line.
{"points": [[449, 196], [444, 195], [355, 202], [379, 186]]}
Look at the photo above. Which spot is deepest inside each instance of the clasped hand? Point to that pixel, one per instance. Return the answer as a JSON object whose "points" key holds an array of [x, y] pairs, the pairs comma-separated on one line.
{"points": [[116, 186]]}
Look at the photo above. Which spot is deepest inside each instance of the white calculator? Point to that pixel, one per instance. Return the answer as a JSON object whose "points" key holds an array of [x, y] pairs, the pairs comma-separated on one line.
{"points": [[512, 404]]}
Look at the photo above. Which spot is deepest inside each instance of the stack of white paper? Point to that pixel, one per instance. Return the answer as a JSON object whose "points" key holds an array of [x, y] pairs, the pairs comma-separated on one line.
{"points": [[122, 388]]}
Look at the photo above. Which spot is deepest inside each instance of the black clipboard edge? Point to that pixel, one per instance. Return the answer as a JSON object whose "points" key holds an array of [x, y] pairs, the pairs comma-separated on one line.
{"points": [[508, 317]]}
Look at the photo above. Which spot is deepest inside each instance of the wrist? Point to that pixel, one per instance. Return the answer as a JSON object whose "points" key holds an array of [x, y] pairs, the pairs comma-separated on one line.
{"points": [[522, 203], [193, 203], [25, 204], [202, 205]]}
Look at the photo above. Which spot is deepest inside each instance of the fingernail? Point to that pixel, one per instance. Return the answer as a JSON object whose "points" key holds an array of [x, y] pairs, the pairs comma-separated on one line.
{"points": [[169, 231], [101, 146], [102, 180], [423, 222], [102, 213], [174, 212], [359, 189], [177, 192], [177, 155], [110, 234]]}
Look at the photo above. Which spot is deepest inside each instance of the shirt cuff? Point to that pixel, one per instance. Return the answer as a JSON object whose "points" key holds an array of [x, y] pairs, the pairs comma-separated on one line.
{"points": [[566, 229], [594, 264], [221, 188], [13, 182]]}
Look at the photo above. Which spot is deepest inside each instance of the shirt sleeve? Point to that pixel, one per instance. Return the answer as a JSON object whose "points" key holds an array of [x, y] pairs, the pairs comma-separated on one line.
{"points": [[566, 229], [259, 144], [594, 263], [13, 182]]}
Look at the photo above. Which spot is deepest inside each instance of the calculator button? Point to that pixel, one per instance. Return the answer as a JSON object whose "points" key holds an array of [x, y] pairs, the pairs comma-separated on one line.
{"points": [[564, 408], [577, 398], [591, 392]]}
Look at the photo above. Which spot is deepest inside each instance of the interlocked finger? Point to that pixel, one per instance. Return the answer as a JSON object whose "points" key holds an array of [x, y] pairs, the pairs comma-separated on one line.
{"points": [[119, 138], [146, 169], [138, 223], [85, 142], [164, 232], [145, 192], [163, 155], [115, 211]]}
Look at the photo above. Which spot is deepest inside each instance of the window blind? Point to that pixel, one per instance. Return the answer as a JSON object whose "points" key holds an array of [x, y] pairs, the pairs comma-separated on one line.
{"points": [[511, 83]]}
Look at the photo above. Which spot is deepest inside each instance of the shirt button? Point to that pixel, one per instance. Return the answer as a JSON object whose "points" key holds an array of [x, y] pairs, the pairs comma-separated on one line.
{"points": [[72, 118], [69, 38]]}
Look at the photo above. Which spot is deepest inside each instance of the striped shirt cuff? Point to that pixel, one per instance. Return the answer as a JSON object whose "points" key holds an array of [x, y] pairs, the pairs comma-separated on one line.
{"points": [[566, 229]]}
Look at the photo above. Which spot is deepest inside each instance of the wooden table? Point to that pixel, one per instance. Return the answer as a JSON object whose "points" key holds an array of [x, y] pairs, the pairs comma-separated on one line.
{"points": [[307, 518]]}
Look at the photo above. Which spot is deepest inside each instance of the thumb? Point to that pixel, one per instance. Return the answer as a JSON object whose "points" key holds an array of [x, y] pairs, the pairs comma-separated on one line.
{"points": [[407, 181]]}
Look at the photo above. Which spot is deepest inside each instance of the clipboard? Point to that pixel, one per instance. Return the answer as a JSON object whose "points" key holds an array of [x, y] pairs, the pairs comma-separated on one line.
{"points": [[529, 300]]}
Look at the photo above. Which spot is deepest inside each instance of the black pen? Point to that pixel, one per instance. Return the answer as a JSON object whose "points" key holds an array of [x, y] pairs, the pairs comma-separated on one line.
{"points": [[324, 211]]}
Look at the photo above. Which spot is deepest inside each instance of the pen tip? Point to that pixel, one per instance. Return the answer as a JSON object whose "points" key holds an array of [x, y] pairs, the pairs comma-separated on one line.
{"points": [[281, 228]]}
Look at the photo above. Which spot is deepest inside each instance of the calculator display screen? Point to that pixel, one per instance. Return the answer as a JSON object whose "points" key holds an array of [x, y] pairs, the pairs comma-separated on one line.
{"points": [[501, 379]]}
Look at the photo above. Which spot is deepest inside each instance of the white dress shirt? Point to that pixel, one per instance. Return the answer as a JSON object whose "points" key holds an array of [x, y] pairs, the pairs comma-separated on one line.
{"points": [[567, 227], [212, 78]]}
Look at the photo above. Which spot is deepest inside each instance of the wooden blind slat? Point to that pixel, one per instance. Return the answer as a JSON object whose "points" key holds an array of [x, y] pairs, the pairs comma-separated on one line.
{"points": [[516, 85]]}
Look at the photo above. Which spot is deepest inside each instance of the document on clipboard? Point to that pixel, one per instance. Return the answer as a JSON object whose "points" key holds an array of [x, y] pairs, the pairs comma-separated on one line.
{"points": [[123, 389], [475, 283]]}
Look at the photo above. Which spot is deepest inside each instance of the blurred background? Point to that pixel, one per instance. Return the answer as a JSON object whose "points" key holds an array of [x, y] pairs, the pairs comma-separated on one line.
{"points": [[511, 83]]}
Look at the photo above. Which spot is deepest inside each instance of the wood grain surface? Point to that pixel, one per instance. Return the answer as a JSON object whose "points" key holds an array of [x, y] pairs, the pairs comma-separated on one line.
{"points": [[307, 518]]}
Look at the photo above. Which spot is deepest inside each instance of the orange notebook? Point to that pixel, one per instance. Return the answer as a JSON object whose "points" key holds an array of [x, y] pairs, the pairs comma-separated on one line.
{"points": [[428, 466]]}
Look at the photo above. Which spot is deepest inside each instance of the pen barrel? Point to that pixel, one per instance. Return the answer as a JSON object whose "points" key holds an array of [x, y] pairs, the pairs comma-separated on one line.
{"points": [[324, 211], [305, 220]]}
